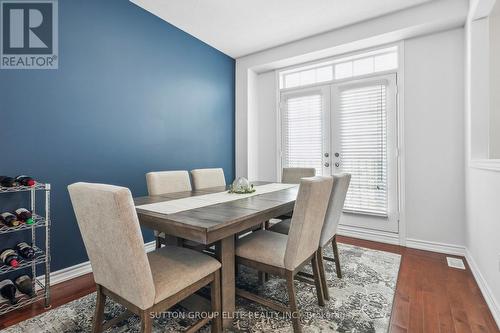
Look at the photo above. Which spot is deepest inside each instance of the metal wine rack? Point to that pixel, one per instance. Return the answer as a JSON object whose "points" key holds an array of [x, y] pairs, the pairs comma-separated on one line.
{"points": [[41, 284]]}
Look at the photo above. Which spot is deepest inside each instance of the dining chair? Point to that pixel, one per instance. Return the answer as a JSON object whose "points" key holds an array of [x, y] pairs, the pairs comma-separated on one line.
{"points": [[285, 255], [328, 233], [144, 283], [161, 182], [294, 175], [205, 178]]}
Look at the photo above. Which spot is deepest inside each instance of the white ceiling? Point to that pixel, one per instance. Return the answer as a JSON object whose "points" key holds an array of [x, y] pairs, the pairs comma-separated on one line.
{"points": [[238, 27]]}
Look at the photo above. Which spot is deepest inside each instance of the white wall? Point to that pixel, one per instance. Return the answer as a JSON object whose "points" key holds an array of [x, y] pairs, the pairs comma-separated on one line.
{"points": [[494, 35], [434, 138], [482, 186]]}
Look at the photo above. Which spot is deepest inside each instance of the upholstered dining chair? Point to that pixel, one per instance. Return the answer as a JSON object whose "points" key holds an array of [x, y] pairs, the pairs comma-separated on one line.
{"points": [[205, 178], [143, 283], [161, 182], [294, 175], [329, 231], [283, 255]]}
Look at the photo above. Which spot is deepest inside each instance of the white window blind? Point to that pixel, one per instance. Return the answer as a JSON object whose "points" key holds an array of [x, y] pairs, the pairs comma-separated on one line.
{"points": [[363, 148], [302, 118]]}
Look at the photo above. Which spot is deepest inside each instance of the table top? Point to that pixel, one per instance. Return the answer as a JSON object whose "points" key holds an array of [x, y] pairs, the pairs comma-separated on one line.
{"points": [[211, 223]]}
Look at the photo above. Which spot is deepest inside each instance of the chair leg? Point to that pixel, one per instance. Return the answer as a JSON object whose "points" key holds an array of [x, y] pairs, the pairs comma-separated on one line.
{"points": [[215, 295], [322, 275], [317, 279], [158, 242], [292, 300], [146, 322], [99, 311], [337, 258]]}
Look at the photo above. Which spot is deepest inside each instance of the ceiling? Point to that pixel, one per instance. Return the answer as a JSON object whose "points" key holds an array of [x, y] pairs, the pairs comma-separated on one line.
{"points": [[238, 27]]}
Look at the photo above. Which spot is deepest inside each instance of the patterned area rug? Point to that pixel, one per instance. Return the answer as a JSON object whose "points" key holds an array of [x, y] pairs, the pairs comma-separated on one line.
{"points": [[359, 302]]}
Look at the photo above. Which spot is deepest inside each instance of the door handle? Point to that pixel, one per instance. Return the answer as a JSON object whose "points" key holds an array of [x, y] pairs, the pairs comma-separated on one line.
{"points": [[327, 164], [337, 164]]}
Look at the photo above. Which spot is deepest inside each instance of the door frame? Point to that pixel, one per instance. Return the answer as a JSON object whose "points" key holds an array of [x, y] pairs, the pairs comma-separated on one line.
{"points": [[384, 237]]}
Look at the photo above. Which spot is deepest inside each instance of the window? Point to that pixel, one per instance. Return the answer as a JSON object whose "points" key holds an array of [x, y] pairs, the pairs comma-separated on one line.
{"points": [[376, 61], [302, 120]]}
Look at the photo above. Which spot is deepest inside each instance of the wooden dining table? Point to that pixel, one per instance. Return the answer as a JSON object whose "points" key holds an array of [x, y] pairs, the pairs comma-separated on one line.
{"points": [[217, 224]]}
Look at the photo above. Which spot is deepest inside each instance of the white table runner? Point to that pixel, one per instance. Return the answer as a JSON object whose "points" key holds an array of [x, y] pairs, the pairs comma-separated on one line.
{"points": [[179, 205]]}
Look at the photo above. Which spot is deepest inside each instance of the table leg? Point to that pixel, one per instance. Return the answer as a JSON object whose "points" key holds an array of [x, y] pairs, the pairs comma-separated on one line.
{"points": [[225, 254]]}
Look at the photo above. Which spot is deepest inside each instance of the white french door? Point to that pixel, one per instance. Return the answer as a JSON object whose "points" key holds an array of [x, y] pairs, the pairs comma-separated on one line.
{"points": [[364, 144], [348, 127]]}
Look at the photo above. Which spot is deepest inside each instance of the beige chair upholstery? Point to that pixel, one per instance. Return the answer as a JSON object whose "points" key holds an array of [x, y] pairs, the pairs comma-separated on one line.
{"points": [[263, 246], [334, 212], [307, 220], [171, 262], [305, 229], [161, 182], [205, 178], [168, 181], [294, 175], [337, 199], [110, 230]]}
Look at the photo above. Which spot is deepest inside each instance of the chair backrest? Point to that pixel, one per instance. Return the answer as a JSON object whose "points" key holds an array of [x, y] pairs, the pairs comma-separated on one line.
{"points": [[335, 206], [307, 220], [160, 182], [204, 178], [110, 230], [294, 175]]}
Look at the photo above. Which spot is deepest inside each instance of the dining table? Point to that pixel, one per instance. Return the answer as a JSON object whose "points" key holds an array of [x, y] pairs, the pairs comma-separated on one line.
{"points": [[214, 217]]}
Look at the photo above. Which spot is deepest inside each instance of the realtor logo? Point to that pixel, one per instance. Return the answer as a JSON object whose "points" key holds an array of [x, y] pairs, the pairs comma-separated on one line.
{"points": [[29, 32]]}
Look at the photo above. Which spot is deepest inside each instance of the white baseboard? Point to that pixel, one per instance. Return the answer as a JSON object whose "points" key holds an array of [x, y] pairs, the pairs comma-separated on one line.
{"points": [[488, 295], [368, 234], [75, 271], [452, 249]]}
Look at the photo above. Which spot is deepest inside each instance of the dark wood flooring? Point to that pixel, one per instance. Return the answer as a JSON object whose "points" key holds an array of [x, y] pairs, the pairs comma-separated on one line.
{"points": [[430, 296]]}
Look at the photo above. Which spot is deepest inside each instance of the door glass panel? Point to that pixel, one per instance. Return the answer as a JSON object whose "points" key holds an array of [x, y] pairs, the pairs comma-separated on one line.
{"points": [[362, 126], [303, 131]]}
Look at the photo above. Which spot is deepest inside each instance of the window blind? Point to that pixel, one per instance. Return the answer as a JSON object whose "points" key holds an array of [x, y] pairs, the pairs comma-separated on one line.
{"points": [[363, 148], [302, 132]]}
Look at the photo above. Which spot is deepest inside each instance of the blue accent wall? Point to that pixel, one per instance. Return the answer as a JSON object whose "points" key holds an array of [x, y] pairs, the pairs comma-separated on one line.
{"points": [[132, 94]]}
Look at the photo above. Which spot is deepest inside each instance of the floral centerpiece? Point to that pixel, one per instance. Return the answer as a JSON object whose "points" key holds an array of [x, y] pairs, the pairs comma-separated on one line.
{"points": [[241, 185]]}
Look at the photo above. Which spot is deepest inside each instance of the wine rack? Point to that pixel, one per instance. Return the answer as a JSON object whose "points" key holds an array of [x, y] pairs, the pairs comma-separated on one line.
{"points": [[41, 284]]}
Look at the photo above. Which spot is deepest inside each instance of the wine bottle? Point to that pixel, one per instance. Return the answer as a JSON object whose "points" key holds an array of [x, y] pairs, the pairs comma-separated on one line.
{"points": [[10, 258], [25, 250], [24, 180], [25, 285], [24, 215], [7, 181], [8, 291], [9, 219]]}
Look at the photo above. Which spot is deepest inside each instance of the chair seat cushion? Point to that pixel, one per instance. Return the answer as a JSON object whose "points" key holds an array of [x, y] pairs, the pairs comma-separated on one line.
{"points": [[263, 246], [282, 227], [175, 268]]}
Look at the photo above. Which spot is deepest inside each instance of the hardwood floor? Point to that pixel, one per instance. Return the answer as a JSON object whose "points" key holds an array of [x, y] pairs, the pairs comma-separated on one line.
{"points": [[430, 296]]}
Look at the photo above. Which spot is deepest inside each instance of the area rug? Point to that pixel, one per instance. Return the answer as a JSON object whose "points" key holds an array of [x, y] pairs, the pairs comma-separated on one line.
{"points": [[359, 302]]}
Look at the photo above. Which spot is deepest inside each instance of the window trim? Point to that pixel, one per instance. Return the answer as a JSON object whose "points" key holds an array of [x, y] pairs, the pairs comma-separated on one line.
{"points": [[338, 59]]}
